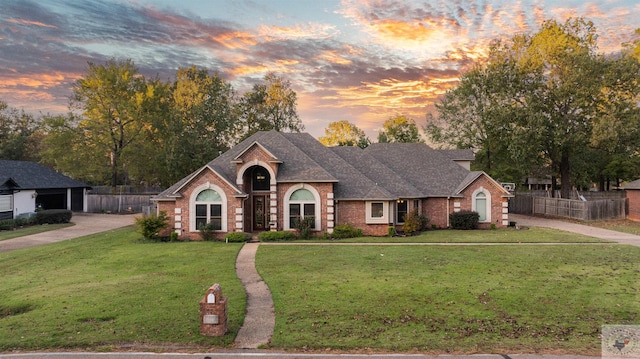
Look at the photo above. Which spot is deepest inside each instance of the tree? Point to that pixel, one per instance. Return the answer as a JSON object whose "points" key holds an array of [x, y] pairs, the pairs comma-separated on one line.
{"points": [[202, 122], [114, 99], [19, 135], [476, 114], [344, 133], [541, 100], [269, 106], [616, 128], [71, 150], [399, 129]]}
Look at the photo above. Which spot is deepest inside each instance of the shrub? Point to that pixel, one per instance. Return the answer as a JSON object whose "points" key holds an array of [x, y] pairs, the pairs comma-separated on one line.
{"points": [[303, 227], [424, 222], [346, 231], [150, 226], [173, 237], [53, 216], [391, 231], [271, 236], [464, 220], [208, 232], [7, 224], [238, 237], [412, 223]]}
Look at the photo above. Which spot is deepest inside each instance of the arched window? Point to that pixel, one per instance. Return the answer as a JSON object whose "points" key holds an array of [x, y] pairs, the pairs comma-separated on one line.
{"points": [[260, 179], [482, 205], [303, 201], [208, 206]]}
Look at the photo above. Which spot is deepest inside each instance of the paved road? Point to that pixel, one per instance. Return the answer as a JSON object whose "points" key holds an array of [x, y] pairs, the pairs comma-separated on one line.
{"points": [[85, 224]]}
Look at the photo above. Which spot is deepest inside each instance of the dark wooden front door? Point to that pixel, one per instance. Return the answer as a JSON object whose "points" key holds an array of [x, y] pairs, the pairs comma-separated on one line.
{"points": [[260, 213]]}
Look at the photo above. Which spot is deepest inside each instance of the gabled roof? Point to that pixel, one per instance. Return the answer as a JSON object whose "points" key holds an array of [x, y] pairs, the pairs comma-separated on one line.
{"points": [[474, 176], [8, 183], [632, 185], [31, 175], [382, 171]]}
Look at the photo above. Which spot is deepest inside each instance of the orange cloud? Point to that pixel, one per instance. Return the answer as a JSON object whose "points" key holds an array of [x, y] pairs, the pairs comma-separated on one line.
{"points": [[333, 57], [29, 22], [279, 67], [235, 39], [300, 31], [43, 81]]}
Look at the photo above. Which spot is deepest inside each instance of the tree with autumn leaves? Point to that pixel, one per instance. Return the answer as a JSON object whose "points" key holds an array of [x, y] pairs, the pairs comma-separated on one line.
{"points": [[128, 129], [547, 101]]}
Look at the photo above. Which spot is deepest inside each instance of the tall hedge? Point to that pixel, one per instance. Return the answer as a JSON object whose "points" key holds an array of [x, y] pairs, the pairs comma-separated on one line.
{"points": [[53, 216]]}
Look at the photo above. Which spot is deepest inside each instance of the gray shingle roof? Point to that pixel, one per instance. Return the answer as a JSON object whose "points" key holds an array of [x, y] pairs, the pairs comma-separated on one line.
{"points": [[31, 175], [632, 185], [426, 169], [381, 171]]}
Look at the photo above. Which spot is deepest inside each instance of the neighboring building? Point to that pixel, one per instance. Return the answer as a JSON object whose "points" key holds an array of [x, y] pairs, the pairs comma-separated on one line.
{"points": [[271, 179], [633, 199], [25, 186]]}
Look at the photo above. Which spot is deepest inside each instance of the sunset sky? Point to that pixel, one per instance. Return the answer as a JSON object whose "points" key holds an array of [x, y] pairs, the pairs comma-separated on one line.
{"points": [[362, 60]]}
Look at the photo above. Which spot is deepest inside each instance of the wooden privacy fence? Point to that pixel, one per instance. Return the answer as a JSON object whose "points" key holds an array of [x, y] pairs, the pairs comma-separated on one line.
{"points": [[569, 208], [133, 203]]}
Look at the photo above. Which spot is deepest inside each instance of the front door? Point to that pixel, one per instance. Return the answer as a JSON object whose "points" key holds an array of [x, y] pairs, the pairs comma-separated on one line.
{"points": [[260, 213]]}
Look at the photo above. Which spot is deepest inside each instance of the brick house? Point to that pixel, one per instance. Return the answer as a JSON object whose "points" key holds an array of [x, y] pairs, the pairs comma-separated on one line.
{"points": [[271, 179]]}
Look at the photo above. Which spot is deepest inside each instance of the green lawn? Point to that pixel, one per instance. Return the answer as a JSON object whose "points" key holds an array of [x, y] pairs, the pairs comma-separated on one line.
{"points": [[450, 299], [31, 230], [504, 235], [620, 225], [110, 289]]}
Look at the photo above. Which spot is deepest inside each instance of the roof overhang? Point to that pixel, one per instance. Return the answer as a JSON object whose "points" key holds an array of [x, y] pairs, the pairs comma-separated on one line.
{"points": [[176, 192]]}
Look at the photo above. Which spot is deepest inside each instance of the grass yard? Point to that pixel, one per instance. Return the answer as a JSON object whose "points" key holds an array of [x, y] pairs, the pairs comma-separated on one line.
{"points": [[32, 230], [450, 299], [503, 235], [620, 225], [110, 290]]}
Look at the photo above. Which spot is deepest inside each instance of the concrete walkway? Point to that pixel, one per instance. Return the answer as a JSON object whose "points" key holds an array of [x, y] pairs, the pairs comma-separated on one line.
{"points": [[260, 317], [619, 237], [85, 224]]}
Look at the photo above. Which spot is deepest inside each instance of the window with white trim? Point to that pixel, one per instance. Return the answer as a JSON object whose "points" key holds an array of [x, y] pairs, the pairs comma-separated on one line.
{"points": [[208, 209], [377, 212], [481, 203], [302, 204]]}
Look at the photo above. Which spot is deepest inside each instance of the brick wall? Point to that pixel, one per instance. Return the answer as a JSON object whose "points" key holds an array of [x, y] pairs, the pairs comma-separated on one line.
{"points": [[633, 200], [354, 213], [436, 210]]}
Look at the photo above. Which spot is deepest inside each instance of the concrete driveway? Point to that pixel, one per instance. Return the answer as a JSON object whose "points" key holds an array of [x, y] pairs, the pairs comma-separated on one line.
{"points": [[619, 237], [85, 224]]}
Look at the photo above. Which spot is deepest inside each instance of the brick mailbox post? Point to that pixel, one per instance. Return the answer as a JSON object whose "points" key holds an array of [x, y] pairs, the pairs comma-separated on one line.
{"points": [[213, 312]]}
